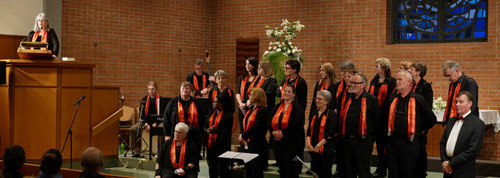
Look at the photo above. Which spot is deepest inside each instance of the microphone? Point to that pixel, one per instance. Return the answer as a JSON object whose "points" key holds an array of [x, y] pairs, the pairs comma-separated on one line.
{"points": [[79, 100]]}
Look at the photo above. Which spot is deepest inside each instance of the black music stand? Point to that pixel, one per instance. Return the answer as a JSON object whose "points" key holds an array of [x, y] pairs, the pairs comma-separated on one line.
{"points": [[154, 131]]}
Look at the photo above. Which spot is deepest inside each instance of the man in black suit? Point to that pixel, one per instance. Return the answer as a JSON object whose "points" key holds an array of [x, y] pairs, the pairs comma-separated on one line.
{"points": [[462, 140]]}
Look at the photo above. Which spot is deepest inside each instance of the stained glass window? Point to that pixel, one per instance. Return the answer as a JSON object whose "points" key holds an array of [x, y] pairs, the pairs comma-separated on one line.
{"points": [[420, 21]]}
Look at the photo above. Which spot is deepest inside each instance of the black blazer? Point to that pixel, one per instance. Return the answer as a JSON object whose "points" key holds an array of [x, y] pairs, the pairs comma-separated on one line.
{"points": [[469, 141], [51, 40]]}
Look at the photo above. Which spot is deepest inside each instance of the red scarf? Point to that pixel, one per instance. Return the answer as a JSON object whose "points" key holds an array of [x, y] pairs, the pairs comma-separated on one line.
{"points": [[340, 88], [192, 115], [242, 87], [173, 156], [157, 101], [212, 137], [321, 133], [286, 82], [253, 85], [362, 117], [284, 120], [249, 120], [411, 117], [451, 100], [324, 85], [215, 92], [382, 93], [44, 37], [195, 82]]}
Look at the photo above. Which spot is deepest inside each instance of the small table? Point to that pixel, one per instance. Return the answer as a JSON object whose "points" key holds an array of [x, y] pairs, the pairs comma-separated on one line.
{"points": [[489, 117]]}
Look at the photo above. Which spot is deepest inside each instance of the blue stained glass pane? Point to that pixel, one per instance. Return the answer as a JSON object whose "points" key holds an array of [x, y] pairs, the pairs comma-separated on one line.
{"points": [[479, 34], [403, 22]]}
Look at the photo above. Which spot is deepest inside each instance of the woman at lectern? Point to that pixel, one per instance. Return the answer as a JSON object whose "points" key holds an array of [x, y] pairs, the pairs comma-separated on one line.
{"points": [[43, 33]]}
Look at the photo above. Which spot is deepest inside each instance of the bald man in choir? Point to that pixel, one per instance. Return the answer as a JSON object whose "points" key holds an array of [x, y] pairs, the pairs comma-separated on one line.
{"points": [[408, 117], [358, 121], [461, 140], [187, 109], [199, 79], [458, 82]]}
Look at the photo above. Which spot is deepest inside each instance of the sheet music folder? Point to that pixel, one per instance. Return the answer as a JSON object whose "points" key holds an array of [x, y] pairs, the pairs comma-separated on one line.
{"points": [[245, 157]]}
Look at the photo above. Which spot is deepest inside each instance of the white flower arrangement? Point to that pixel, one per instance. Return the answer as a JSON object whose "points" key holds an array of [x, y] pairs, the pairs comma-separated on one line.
{"points": [[282, 39], [438, 104]]}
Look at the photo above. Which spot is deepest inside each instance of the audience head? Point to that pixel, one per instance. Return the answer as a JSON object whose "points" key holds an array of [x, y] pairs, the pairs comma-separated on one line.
{"points": [[265, 69], [464, 102], [328, 73], [220, 77], [451, 70], [418, 69], [403, 81], [383, 66], [51, 162], [152, 87], [323, 97], [258, 97], [292, 66], [181, 131], [251, 65], [186, 88], [357, 83], [348, 74], [14, 157], [289, 93], [41, 22], [346, 65], [92, 159]]}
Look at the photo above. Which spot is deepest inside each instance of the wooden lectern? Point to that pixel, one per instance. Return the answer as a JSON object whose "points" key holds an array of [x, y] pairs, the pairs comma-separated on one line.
{"points": [[36, 108]]}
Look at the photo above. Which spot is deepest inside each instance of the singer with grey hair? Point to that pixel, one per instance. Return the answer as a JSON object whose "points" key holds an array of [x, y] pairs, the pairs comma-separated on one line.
{"points": [[43, 33]]}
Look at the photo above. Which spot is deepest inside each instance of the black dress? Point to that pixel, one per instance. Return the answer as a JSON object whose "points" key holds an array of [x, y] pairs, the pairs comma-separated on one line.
{"points": [[255, 135], [321, 163], [191, 156], [220, 142]]}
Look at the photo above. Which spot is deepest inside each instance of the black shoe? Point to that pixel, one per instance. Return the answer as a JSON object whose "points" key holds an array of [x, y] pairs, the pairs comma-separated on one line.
{"points": [[378, 174], [137, 155]]}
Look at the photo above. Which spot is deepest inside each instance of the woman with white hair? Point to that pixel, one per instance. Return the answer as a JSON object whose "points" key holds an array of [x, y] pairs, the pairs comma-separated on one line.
{"points": [[43, 33], [178, 157]]}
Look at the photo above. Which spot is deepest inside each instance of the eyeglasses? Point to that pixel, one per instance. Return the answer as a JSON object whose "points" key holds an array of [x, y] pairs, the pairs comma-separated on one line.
{"points": [[356, 83]]}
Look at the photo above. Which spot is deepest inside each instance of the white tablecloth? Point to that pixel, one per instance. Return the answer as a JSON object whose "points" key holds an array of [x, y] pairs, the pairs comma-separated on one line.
{"points": [[489, 117]]}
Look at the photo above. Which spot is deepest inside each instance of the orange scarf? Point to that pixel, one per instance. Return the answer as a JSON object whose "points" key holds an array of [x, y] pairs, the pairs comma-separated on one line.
{"points": [[212, 137], [362, 117], [195, 82], [411, 117], [242, 88], [249, 120], [44, 37], [451, 100], [215, 92], [340, 88], [286, 82], [382, 93], [324, 85], [192, 116], [321, 133], [253, 85], [284, 120], [157, 101], [173, 156]]}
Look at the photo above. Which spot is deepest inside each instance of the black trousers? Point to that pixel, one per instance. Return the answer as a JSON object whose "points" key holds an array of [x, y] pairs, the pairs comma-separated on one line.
{"points": [[380, 139], [357, 157], [422, 157], [402, 157], [284, 154], [339, 158], [321, 164], [218, 167]]}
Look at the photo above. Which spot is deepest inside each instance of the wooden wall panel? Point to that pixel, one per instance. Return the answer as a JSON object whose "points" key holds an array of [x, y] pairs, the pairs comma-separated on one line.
{"points": [[35, 76], [4, 118], [81, 127], [76, 77], [10, 43], [105, 103], [433, 139], [35, 120]]}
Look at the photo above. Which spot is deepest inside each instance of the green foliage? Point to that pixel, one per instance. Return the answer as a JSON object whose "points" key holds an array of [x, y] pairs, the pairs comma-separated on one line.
{"points": [[277, 60]]}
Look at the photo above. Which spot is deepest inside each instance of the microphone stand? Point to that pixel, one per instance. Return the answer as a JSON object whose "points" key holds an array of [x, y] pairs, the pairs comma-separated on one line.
{"points": [[70, 135]]}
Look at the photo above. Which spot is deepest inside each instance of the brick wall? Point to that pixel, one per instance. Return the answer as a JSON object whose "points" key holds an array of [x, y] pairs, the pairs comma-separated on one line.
{"points": [[335, 31]]}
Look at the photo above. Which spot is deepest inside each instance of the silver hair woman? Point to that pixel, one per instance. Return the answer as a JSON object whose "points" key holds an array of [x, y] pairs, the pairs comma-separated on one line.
{"points": [[43, 33]]}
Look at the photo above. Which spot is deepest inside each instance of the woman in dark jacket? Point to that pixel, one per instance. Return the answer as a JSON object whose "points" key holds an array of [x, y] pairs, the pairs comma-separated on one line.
{"points": [[219, 128], [287, 129], [319, 141], [328, 82], [43, 33], [253, 135]]}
